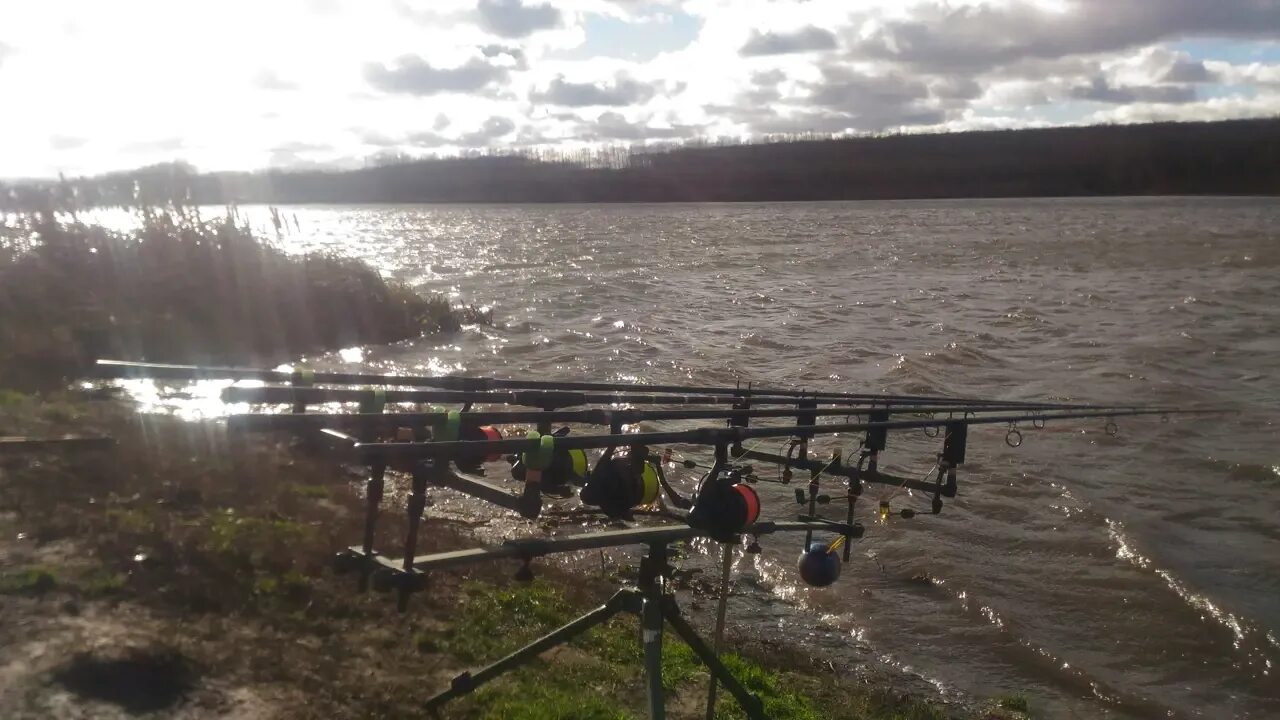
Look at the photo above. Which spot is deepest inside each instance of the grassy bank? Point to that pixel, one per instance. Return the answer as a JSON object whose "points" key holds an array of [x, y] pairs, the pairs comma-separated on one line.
{"points": [[184, 289], [187, 571]]}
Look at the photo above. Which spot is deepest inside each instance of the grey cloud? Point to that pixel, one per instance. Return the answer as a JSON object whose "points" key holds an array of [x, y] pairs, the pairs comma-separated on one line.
{"points": [[842, 100], [427, 139], [514, 19], [412, 75], [613, 126], [853, 92], [1099, 90], [803, 40], [492, 129], [496, 51], [768, 77], [621, 92], [946, 39], [763, 90], [1187, 71], [955, 88]]}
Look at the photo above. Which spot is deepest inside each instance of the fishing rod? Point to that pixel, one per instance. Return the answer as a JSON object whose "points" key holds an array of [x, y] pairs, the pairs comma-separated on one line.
{"points": [[21, 445], [621, 482], [610, 418], [120, 369], [300, 397], [723, 436]]}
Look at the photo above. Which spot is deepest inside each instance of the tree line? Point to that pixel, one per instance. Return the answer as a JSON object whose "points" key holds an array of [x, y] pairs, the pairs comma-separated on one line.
{"points": [[1226, 157]]}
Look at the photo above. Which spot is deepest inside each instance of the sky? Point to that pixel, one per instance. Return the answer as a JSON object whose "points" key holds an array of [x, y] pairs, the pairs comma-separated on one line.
{"points": [[88, 86]]}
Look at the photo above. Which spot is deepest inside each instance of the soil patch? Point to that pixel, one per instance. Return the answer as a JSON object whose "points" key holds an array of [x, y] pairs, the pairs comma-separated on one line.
{"points": [[139, 680]]}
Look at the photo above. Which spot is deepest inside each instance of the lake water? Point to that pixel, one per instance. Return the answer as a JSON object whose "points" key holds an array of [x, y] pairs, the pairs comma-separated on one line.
{"points": [[1136, 576]]}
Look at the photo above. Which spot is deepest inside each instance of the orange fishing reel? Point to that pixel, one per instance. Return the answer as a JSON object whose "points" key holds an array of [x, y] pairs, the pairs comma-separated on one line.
{"points": [[725, 504]]}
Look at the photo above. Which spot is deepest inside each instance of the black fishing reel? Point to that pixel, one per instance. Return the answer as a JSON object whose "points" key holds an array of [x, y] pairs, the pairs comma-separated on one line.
{"points": [[725, 504], [621, 483], [474, 463], [568, 468]]}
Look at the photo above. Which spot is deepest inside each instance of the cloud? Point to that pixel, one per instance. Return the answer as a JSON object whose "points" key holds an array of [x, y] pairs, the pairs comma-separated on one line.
{"points": [[805, 39], [851, 91], [1099, 90], [612, 125], [411, 75], [492, 129], [945, 38], [427, 139], [294, 155], [5, 51], [955, 88], [577, 72], [622, 91], [514, 19], [1225, 108], [842, 99], [516, 55], [1187, 71], [1260, 75]]}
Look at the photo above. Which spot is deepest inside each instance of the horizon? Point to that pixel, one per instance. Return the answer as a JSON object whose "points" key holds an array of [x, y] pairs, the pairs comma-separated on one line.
{"points": [[331, 84]]}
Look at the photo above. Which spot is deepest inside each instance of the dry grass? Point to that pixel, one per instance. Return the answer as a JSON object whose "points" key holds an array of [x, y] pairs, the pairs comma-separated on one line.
{"points": [[183, 289]]}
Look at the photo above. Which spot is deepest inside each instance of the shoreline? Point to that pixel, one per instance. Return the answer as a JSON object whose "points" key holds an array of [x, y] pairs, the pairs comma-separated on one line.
{"points": [[209, 520]]}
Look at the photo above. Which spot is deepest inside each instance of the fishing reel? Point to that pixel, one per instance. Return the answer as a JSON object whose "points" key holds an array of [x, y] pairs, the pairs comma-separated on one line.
{"points": [[621, 483], [952, 457], [725, 504], [482, 433], [567, 468]]}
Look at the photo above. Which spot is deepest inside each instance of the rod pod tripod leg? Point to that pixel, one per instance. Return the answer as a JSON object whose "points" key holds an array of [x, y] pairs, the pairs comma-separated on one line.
{"points": [[654, 608]]}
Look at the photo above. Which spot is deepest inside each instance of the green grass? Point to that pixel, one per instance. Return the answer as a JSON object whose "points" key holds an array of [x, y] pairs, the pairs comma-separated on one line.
{"points": [[38, 580], [1010, 706], [780, 701], [232, 533], [314, 492], [603, 677], [28, 581], [289, 585], [562, 693], [102, 583]]}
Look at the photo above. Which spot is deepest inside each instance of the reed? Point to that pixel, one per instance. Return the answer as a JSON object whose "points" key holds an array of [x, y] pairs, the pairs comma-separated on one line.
{"points": [[181, 287]]}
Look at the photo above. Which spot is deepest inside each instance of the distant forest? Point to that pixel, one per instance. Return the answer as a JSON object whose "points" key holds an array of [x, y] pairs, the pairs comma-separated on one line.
{"points": [[1239, 157]]}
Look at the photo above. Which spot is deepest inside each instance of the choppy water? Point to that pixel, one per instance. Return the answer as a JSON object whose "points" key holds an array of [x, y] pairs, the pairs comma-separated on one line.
{"points": [[1130, 577]]}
